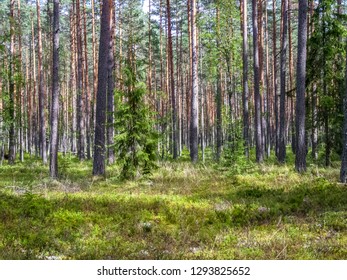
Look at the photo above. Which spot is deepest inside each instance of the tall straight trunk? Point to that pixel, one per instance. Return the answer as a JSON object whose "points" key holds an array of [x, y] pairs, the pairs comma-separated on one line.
{"points": [[314, 97], [267, 100], [202, 124], [183, 116], [189, 74], [105, 36], [120, 69], [172, 82], [80, 88], [343, 171], [162, 127], [261, 72], [326, 113], [274, 74], [42, 118], [95, 70], [257, 99], [187, 81], [20, 87], [300, 110], [65, 116], [110, 92], [34, 96], [282, 143], [291, 75], [245, 92], [194, 113], [219, 95], [86, 82], [53, 163], [314, 120], [12, 141], [149, 49], [73, 81], [29, 90], [231, 102], [2, 90], [178, 70], [230, 98]]}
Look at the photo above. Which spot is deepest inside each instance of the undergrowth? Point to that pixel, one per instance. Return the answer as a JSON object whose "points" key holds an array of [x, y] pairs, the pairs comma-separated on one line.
{"points": [[181, 211]]}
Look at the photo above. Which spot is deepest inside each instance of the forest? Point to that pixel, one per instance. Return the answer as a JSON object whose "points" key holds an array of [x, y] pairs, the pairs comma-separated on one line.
{"points": [[173, 129]]}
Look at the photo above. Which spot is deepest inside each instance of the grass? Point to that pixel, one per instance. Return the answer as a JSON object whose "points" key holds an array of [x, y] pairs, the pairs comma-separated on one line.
{"points": [[180, 212]]}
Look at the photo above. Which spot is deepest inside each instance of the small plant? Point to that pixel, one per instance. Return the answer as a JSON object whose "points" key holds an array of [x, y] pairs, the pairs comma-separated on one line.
{"points": [[234, 155]]}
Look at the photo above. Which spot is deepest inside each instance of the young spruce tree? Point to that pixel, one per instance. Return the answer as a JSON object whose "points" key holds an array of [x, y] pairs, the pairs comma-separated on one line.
{"points": [[136, 140]]}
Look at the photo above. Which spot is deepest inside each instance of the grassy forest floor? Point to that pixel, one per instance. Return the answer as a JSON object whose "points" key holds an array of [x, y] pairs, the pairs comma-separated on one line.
{"points": [[209, 211]]}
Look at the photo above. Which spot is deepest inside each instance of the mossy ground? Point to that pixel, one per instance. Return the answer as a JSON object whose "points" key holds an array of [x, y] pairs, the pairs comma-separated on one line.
{"points": [[180, 212]]}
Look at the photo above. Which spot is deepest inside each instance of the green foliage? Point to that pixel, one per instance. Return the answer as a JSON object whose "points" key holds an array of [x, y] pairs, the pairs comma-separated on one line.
{"points": [[183, 212], [136, 139], [234, 152], [325, 69], [228, 54]]}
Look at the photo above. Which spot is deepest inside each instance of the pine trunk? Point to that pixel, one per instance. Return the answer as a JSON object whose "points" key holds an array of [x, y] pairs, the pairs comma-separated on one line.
{"points": [[274, 74], [194, 114], [219, 95], [172, 82], [12, 140], [110, 93], [53, 164], [343, 171], [42, 118], [80, 88], [282, 140], [20, 87], [245, 92], [99, 143], [86, 82], [300, 156], [257, 98]]}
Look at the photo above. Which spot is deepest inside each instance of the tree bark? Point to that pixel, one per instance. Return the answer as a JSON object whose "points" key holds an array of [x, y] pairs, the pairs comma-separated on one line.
{"points": [[86, 83], [53, 163], [219, 94], [20, 87], [42, 134], [194, 114], [110, 92], [274, 74], [80, 102], [291, 76], [300, 110], [73, 80], [245, 92], [257, 99], [95, 71], [267, 100], [99, 143], [343, 171], [12, 140], [172, 83], [34, 118], [284, 43]]}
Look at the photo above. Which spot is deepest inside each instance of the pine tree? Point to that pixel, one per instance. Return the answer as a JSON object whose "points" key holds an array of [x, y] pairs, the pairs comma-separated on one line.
{"points": [[257, 99], [99, 143], [300, 109], [194, 117], [53, 164]]}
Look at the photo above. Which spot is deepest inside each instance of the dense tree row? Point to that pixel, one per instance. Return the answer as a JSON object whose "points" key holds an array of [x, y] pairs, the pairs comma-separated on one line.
{"points": [[131, 80]]}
